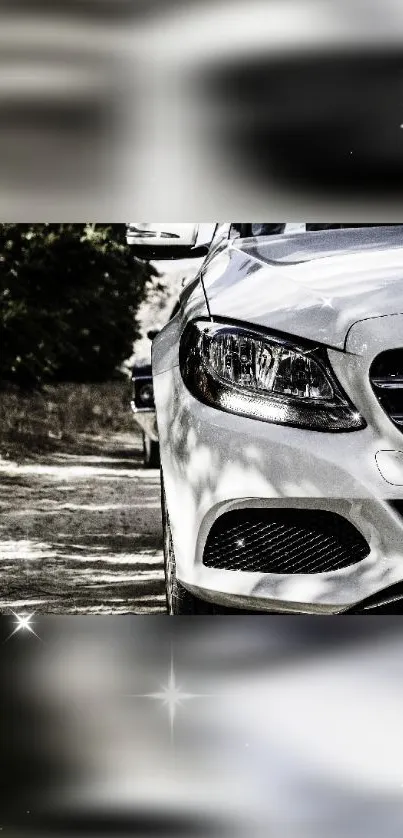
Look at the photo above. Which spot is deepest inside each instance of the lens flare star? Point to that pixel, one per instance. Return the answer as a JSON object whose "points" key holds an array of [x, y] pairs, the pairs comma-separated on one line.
{"points": [[23, 623], [327, 302], [171, 696]]}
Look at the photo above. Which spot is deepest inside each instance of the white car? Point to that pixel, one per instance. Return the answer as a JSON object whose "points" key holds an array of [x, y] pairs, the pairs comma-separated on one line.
{"points": [[279, 397]]}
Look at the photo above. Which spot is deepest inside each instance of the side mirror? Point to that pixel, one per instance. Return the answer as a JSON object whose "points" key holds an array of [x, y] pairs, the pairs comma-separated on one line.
{"points": [[152, 333], [164, 241]]}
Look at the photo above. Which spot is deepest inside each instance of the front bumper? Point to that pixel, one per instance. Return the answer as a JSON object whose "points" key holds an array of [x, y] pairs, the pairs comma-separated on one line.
{"points": [[214, 462]]}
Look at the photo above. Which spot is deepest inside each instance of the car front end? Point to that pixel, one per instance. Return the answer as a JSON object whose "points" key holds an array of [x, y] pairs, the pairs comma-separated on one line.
{"points": [[278, 403]]}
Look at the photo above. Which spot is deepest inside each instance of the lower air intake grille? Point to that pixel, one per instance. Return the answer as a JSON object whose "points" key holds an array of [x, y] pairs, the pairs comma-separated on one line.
{"points": [[283, 541], [386, 375]]}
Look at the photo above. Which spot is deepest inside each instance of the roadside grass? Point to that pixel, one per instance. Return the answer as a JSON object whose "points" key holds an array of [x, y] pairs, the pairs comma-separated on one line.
{"points": [[63, 417]]}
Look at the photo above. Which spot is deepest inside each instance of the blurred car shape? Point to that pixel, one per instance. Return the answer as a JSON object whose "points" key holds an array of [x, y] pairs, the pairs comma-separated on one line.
{"points": [[302, 90]]}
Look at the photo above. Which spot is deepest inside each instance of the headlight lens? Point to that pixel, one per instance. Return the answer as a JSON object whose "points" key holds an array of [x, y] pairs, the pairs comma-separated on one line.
{"points": [[266, 378]]}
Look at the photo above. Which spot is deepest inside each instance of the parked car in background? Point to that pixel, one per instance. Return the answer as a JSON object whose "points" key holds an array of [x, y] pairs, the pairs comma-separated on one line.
{"points": [[278, 390], [143, 408]]}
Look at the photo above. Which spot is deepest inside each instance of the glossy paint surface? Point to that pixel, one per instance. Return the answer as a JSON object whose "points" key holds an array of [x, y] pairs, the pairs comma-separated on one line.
{"points": [[315, 286]]}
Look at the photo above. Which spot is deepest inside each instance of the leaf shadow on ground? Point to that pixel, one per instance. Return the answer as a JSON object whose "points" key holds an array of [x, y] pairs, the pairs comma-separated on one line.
{"points": [[81, 532]]}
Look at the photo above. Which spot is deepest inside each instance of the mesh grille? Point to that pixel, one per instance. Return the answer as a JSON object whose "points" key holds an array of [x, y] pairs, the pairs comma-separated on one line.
{"points": [[283, 541], [386, 375]]}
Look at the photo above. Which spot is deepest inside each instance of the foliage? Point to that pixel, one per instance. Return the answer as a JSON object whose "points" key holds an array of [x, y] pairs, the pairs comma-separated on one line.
{"points": [[69, 294]]}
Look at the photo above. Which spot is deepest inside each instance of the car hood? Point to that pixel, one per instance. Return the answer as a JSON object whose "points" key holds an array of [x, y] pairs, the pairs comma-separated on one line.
{"points": [[311, 285]]}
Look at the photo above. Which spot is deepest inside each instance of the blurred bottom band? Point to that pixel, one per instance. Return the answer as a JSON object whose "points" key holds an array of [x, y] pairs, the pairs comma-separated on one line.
{"points": [[253, 726]]}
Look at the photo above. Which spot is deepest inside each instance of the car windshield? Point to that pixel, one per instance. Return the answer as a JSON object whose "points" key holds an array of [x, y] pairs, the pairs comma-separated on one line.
{"points": [[256, 229], [265, 228], [317, 227], [294, 249]]}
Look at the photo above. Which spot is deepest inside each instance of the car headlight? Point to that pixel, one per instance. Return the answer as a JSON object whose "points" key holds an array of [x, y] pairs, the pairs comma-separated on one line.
{"points": [[246, 372]]}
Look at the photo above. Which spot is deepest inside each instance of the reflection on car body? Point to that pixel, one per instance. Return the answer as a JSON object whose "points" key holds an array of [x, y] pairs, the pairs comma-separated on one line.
{"points": [[143, 406]]}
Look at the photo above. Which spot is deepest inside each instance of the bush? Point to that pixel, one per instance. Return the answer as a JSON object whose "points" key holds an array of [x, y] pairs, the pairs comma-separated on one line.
{"points": [[69, 296]]}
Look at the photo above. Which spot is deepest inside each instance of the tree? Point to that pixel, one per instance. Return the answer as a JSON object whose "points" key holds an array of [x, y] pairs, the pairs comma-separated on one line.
{"points": [[69, 294]]}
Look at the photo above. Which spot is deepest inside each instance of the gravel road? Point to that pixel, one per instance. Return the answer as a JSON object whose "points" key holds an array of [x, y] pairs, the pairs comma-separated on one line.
{"points": [[81, 533]]}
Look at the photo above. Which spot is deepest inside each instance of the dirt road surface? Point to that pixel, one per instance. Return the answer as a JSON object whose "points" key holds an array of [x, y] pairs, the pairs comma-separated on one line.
{"points": [[81, 533]]}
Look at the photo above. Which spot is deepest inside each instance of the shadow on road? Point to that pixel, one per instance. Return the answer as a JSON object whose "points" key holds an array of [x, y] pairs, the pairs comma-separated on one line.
{"points": [[81, 533]]}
